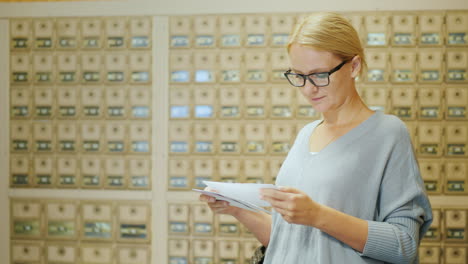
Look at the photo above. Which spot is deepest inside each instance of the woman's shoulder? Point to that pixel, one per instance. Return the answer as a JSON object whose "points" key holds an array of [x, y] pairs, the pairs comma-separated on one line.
{"points": [[392, 125], [391, 122]]}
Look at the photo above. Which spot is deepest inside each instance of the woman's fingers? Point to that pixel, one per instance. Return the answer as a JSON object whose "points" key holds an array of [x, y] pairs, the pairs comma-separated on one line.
{"points": [[207, 198]]}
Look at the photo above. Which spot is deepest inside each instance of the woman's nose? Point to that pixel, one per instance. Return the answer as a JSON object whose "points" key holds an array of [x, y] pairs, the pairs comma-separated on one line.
{"points": [[309, 87]]}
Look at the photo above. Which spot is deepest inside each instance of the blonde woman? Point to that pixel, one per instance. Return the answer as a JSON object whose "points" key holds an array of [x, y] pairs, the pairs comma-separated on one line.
{"points": [[352, 191]]}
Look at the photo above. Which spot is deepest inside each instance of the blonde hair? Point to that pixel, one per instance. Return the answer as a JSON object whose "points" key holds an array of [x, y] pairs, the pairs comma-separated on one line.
{"points": [[329, 32]]}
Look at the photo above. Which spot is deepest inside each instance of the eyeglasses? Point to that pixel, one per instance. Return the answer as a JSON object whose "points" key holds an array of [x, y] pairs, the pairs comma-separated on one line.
{"points": [[318, 79]]}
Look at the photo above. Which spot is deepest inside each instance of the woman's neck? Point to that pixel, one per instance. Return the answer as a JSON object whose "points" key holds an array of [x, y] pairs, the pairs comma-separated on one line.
{"points": [[346, 114]]}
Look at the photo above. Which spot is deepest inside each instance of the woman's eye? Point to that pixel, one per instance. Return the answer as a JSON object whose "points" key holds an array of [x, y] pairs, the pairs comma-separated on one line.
{"points": [[321, 75]]}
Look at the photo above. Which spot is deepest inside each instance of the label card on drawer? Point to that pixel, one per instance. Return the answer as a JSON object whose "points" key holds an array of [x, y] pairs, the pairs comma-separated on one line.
{"points": [[91, 42], [26, 228], [140, 76], [376, 39], [62, 229], [115, 181], [141, 111], [255, 111], [139, 42], [178, 182], [91, 76], [180, 76], [66, 180], [305, 111], [403, 76], [456, 149], [229, 147], [256, 76], [97, 229], [180, 41], [376, 75], [91, 180], [231, 40], [281, 111], [180, 111], [430, 39], [19, 179], [229, 228], [431, 76], [67, 42], [429, 149], [133, 231], [255, 40], [456, 112], [280, 147], [179, 147], [140, 181], [280, 39], [205, 41], [204, 111], [230, 112], [43, 43], [115, 42], [230, 76], [454, 186], [457, 38], [255, 146], [204, 147], [20, 43], [403, 39], [204, 76], [178, 227], [430, 112], [457, 75]]}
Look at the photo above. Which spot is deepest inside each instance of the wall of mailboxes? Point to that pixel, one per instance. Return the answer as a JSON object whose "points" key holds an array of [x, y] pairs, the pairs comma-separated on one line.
{"points": [[81, 118]]}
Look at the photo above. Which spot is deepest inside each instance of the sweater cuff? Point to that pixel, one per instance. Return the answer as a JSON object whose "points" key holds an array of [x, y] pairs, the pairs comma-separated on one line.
{"points": [[379, 236], [385, 241]]}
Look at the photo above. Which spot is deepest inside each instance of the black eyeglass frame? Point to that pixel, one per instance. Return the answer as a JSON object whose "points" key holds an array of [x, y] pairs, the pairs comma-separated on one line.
{"points": [[304, 77]]}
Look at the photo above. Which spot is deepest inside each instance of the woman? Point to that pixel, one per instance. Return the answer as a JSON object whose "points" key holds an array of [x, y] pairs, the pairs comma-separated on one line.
{"points": [[354, 193]]}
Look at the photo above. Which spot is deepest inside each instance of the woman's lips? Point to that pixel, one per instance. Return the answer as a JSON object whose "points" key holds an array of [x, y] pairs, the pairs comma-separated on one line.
{"points": [[317, 98]]}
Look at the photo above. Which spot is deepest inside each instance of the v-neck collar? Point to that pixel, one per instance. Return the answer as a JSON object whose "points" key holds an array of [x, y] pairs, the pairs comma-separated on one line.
{"points": [[355, 131]]}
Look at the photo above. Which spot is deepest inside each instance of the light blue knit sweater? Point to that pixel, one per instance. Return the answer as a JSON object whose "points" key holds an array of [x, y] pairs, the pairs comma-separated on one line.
{"points": [[371, 173]]}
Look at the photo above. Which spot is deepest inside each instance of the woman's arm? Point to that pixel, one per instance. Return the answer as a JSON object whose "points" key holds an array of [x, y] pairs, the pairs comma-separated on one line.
{"points": [[258, 223], [297, 208], [394, 239]]}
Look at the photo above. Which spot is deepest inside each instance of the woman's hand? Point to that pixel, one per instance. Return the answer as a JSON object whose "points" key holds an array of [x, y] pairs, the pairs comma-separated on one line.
{"points": [[295, 206], [217, 206]]}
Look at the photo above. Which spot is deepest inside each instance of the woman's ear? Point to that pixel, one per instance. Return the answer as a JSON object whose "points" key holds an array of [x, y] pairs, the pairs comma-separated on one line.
{"points": [[355, 66]]}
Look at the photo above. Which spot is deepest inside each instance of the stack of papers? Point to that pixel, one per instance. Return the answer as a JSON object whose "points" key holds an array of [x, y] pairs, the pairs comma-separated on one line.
{"points": [[243, 195]]}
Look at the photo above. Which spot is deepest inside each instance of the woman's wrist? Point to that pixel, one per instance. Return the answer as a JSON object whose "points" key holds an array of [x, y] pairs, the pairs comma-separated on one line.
{"points": [[236, 212], [319, 216]]}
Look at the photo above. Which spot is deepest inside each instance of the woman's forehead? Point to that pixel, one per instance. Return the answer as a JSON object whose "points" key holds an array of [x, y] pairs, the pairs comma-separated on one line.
{"points": [[306, 59], [298, 50]]}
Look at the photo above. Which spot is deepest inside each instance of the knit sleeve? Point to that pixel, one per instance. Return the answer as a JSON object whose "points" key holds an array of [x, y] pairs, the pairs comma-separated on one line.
{"points": [[404, 213]]}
